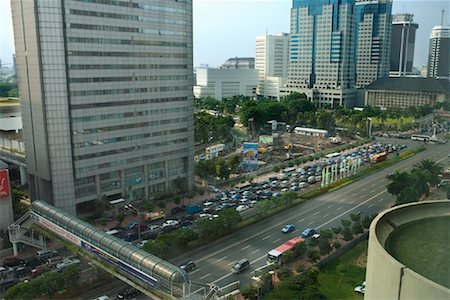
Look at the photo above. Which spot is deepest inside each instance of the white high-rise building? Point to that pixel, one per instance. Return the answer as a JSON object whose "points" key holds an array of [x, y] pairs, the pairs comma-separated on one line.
{"points": [[439, 53], [373, 40], [321, 59], [106, 92], [271, 61]]}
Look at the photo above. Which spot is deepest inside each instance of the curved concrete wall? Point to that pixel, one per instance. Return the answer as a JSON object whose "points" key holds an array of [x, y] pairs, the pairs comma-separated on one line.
{"points": [[387, 278]]}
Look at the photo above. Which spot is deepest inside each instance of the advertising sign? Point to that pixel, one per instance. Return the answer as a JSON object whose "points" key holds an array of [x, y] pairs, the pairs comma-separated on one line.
{"points": [[251, 154], [4, 184]]}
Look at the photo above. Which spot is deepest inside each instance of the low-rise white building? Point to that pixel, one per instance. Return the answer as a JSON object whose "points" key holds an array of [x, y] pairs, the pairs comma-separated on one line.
{"points": [[225, 83]]}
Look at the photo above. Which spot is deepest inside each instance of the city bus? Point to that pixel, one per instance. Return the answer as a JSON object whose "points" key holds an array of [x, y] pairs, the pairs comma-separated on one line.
{"points": [[332, 158], [420, 137], [378, 157], [288, 171], [275, 256]]}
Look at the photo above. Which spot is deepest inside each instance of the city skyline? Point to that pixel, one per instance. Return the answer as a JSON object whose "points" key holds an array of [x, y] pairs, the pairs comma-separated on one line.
{"points": [[214, 42]]}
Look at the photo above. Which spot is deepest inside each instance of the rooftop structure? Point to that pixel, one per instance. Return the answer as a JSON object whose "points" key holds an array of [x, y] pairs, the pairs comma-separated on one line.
{"points": [[239, 63]]}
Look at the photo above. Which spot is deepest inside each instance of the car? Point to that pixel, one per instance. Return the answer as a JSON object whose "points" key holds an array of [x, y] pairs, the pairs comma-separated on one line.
{"points": [[295, 188], [128, 293], [240, 266], [204, 215], [176, 210], [142, 243], [207, 203], [242, 208], [288, 228], [133, 224], [170, 223], [13, 262], [284, 190], [188, 266], [46, 253], [67, 262], [6, 283], [104, 297], [22, 272], [155, 228], [302, 185], [276, 195], [308, 232], [39, 270], [33, 261], [360, 288]]}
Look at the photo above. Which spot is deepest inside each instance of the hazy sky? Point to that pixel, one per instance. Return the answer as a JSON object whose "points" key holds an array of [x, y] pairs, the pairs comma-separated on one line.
{"points": [[228, 28]]}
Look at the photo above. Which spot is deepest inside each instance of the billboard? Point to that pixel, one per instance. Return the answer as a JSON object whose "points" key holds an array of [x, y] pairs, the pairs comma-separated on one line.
{"points": [[251, 154], [4, 184]]}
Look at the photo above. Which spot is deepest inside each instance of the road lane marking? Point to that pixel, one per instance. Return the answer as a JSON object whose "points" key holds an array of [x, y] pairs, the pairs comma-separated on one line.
{"points": [[310, 223], [301, 220], [231, 263], [255, 251], [276, 241], [372, 191], [353, 195], [339, 208], [330, 206], [220, 259], [203, 277], [265, 238], [364, 189], [326, 215], [246, 247], [196, 270], [371, 205], [316, 213], [381, 200], [373, 184]]}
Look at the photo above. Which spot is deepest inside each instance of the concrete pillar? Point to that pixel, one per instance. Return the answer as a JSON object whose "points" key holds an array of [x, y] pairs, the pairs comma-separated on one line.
{"points": [[23, 175], [15, 249]]}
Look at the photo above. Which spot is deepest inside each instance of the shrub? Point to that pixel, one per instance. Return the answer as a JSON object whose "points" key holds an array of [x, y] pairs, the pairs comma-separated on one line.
{"points": [[337, 229], [300, 268], [366, 222], [284, 272], [346, 223], [357, 228], [313, 255], [348, 235], [250, 292], [190, 195], [161, 204], [276, 169], [177, 200], [355, 217], [201, 192], [336, 245]]}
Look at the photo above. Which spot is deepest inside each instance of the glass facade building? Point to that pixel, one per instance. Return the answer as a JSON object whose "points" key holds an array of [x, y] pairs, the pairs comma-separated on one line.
{"points": [[106, 91]]}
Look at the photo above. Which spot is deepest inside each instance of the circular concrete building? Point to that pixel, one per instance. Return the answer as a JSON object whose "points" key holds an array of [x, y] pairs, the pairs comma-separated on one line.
{"points": [[408, 255]]}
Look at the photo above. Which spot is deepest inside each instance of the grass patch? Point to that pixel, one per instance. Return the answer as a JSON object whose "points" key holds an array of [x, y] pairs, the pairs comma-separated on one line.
{"points": [[427, 253], [338, 279]]}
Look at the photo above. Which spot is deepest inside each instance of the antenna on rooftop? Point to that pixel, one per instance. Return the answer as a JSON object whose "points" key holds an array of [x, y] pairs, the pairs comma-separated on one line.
{"points": [[442, 17]]}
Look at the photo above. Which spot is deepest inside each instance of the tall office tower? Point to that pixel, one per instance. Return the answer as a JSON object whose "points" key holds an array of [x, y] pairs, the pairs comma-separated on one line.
{"points": [[403, 38], [373, 40], [321, 55], [106, 91], [271, 61], [439, 53]]}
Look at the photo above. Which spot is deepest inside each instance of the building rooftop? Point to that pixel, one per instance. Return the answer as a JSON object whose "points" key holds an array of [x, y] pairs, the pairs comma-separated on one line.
{"points": [[414, 84]]}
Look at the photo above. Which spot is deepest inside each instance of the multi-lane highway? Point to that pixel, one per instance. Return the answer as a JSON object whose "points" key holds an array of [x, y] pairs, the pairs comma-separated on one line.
{"points": [[367, 195]]}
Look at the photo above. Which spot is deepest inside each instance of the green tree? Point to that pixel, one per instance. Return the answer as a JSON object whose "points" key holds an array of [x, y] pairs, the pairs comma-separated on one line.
{"points": [[284, 272], [347, 233], [326, 120], [250, 292], [229, 217], [156, 247], [408, 194], [313, 255], [71, 275], [264, 206], [432, 168], [288, 197], [398, 181]]}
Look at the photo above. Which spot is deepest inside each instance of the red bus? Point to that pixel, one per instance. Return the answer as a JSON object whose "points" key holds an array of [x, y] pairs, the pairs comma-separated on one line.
{"points": [[276, 255], [378, 157]]}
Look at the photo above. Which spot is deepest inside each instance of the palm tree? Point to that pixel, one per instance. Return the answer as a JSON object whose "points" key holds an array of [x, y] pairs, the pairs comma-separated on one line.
{"points": [[432, 168]]}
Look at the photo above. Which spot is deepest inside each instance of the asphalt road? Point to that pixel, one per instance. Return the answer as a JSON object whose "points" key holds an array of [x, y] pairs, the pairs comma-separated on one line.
{"points": [[367, 195]]}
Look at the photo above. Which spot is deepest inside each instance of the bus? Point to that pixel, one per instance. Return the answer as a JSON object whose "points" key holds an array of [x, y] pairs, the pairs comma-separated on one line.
{"points": [[378, 157], [275, 256], [332, 158], [242, 187], [420, 137], [287, 171]]}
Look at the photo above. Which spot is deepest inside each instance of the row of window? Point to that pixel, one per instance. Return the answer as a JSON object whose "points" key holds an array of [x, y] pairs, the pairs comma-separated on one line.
{"points": [[126, 17], [127, 78], [127, 54], [129, 91], [129, 138], [130, 126], [126, 67], [139, 5], [126, 42], [123, 162], [127, 103], [125, 29], [84, 119]]}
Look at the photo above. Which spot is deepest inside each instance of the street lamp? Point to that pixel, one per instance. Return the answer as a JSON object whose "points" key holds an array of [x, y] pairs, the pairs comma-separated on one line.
{"points": [[136, 210]]}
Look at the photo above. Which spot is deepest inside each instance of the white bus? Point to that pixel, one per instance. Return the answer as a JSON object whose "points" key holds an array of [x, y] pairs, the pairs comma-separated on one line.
{"points": [[288, 171], [332, 158], [420, 137]]}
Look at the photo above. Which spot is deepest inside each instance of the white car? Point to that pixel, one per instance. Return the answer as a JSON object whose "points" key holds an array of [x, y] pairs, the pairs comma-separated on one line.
{"points": [[204, 215], [169, 223], [361, 288], [141, 243], [241, 208], [67, 262], [208, 203], [302, 184], [284, 190]]}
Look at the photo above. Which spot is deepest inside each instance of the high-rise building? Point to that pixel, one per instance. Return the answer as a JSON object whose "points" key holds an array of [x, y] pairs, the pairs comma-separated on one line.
{"points": [[373, 40], [321, 56], [271, 61], [439, 53], [106, 91], [403, 38]]}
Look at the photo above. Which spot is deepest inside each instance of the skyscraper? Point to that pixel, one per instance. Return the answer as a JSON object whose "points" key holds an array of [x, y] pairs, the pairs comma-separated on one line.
{"points": [[373, 40], [106, 91], [321, 56], [402, 44], [439, 53], [271, 60]]}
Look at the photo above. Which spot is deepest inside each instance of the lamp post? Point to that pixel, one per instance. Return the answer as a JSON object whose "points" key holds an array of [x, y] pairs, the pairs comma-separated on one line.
{"points": [[136, 210]]}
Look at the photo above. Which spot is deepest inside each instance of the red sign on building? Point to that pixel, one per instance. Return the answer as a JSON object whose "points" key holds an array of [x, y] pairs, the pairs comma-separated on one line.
{"points": [[4, 184]]}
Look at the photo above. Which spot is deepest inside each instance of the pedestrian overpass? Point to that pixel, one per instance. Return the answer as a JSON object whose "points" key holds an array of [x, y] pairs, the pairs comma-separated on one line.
{"points": [[151, 275]]}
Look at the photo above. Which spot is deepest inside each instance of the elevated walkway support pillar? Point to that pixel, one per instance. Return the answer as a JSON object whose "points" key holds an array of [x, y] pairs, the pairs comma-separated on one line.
{"points": [[23, 175]]}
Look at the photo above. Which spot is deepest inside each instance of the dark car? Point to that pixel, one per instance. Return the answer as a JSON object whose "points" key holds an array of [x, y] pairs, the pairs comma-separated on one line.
{"points": [[188, 266], [7, 283], [308, 232], [13, 262], [22, 271], [33, 261], [177, 210], [128, 293]]}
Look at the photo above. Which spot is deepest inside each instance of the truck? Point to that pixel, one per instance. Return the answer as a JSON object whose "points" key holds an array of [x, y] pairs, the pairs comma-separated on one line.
{"points": [[193, 209], [154, 215]]}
